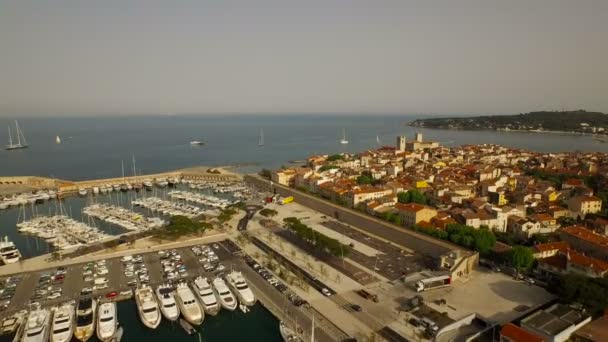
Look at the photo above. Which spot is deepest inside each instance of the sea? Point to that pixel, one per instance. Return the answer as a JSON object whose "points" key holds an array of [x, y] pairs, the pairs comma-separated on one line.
{"points": [[110, 146]]}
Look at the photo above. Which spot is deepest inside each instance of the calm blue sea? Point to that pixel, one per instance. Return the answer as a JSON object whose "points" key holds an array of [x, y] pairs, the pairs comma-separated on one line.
{"points": [[96, 147]]}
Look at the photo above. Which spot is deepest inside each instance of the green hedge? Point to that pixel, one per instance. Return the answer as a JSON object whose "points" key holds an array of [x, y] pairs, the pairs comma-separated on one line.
{"points": [[315, 238]]}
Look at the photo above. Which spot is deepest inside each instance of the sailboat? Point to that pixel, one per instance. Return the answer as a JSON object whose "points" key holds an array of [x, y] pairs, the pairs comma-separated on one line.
{"points": [[378, 140], [261, 139], [343, 141], [21, 142], [58, 140]]}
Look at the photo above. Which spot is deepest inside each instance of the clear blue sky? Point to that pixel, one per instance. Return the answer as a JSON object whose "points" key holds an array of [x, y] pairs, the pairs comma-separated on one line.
{"points": [[452, 56]]}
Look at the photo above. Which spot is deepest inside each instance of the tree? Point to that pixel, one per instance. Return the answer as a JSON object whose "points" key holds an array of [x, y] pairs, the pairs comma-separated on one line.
{"points": [[335, 157], [365, 179], [411, 196], [404, 197], [328, 167], [266, 173], [484, 240], [521, 257]]}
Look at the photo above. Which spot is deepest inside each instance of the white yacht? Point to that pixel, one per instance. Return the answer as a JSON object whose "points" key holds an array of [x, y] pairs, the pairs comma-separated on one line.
{"points": [[147, 305], [9, 254], [222, 292], [168, 307], [238, 284], [107, 321], [63, 323], [196, 143], [188, 304], [85, 319], [82, 192], [37, 326], [205, 294]]}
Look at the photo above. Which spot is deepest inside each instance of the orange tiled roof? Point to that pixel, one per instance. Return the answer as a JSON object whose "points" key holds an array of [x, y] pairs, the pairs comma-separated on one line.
{"points": [[545, 247], [411, 207], [587, 262], [518, 334], [587, 235]]}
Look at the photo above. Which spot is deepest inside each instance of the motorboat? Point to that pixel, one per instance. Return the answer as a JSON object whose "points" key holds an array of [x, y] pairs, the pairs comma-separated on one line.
{"points": [[85, 319], [11, 323], [37, 326], [288, 334], [82, 192], [223, 294], [188, 304], [9, 254], [205, 294], [62, 326], [168, 306], [107, 321], [147, 305], [196, 143], [238, 284]]}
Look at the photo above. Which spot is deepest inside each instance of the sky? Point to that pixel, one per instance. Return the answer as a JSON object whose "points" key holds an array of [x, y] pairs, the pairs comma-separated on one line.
{"points": [[428, 56]]}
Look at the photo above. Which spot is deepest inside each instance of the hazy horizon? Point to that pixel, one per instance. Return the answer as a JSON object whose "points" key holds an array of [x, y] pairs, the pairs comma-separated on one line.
{"points": [[410, 57]]}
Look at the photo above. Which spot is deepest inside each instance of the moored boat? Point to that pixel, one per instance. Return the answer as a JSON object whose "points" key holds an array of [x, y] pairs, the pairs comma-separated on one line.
{"points": [[9, 254], [239, 286], [62, 327], [168, 306], [205, 294], [147, 306], [188, 304], [37, 326], [288, 334], [85, 319], [107, 321], [222, 292]]}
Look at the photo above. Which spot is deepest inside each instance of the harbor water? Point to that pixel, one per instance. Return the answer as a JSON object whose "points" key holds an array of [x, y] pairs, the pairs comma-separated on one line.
{"points": [[257, 325]]}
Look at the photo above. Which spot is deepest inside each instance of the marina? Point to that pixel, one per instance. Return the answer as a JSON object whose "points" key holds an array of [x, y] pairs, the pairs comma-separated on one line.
{"points": [[207, 200], [123, 217], [91, 304], [163, 207], [61, 232]]}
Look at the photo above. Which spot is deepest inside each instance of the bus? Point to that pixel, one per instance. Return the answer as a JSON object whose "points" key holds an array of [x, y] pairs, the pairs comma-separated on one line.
{"points": [[433, 283]]}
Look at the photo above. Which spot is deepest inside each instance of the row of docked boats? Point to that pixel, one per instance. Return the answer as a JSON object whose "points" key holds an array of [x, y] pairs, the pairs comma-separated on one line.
{"points": [[61, 231], [207, 200], [61, 323], [193, 301], [27, 198], [163, 207], [122, 217], [147, 184]]}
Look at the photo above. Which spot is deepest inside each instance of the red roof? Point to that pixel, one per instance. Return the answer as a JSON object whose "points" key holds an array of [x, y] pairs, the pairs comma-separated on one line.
{"points": [[517, 334], [411, 207], [545, 247], [587, 262], [587, 235]]}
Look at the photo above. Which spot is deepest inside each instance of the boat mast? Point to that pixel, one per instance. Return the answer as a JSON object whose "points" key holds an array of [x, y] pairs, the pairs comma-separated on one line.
{"points": [[261, 141], [18, 135], [10, 139]]}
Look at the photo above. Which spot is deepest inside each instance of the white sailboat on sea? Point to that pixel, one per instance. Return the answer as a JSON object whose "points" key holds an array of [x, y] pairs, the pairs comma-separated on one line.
{"points": [[261, 139], [21, 142], [378, 140], [343, 141], [58, 140]]}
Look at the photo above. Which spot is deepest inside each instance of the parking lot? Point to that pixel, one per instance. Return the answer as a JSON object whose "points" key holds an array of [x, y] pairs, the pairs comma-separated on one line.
{"points": [[111, 277]]}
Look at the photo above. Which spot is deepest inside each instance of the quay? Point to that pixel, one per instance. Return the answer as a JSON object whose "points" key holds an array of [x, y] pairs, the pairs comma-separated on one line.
{"points": [[18, 184]]}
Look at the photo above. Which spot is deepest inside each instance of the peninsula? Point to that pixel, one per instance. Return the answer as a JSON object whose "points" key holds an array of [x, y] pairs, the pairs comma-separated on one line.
{"points": [[579, 121]]}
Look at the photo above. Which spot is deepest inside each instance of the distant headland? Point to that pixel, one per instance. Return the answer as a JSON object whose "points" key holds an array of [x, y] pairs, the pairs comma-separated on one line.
{"points": [[578, 121]]}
